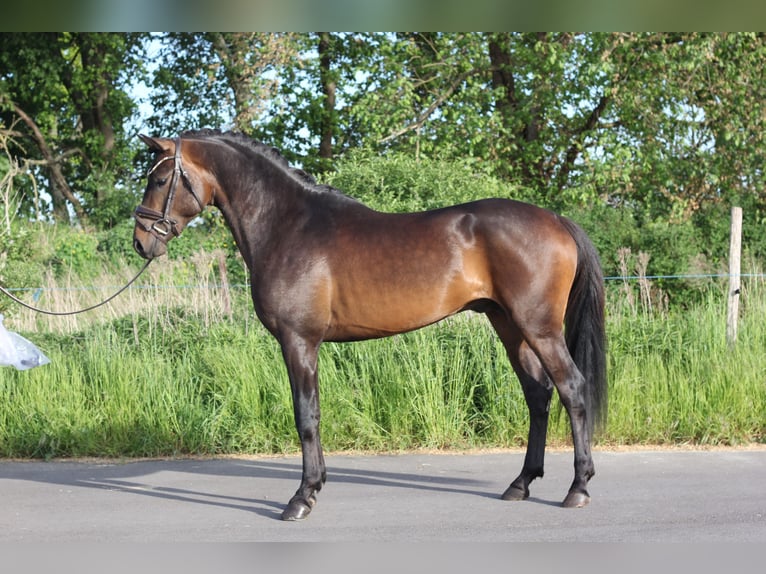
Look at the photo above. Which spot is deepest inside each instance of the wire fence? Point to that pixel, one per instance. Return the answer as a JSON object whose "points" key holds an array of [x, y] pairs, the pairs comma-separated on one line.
{"points": [[689, 276], [39, 291], [203, 293]]}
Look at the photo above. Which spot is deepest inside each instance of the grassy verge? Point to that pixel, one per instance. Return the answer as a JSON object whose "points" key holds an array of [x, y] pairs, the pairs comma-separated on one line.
{"points": [[171, 373]]}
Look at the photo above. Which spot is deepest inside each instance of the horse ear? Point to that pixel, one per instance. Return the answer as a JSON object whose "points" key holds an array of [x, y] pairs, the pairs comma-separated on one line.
{"points": [[156, 144]]}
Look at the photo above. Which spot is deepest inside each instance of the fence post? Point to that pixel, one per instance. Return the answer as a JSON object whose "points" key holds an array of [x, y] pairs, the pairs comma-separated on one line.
{"points": [[735, 251]]}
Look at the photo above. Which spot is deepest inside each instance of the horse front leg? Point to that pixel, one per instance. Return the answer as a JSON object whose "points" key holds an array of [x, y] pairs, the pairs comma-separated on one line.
{"points": [[301, 359]]}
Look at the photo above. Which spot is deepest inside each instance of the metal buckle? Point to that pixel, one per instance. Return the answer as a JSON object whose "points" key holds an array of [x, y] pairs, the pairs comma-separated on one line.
{"points": [[163, 231]]}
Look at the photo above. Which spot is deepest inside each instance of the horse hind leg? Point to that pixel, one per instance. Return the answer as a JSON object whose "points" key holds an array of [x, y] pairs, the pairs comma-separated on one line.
{"points": [[542, 362], [570, 384], [538, 390]]}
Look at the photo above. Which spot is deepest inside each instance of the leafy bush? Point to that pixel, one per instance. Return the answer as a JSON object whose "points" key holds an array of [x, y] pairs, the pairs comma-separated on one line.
{"points": [[117, 242], [19, 253], [75, 251], [401, 183]]}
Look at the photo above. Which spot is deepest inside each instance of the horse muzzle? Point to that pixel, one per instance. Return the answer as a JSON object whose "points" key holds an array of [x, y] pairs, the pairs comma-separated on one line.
{"points": [[152, 232], [148, 246]]}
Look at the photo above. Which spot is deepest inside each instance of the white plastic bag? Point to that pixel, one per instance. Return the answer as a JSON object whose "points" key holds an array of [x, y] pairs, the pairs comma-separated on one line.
{"points": [[16, 351]]}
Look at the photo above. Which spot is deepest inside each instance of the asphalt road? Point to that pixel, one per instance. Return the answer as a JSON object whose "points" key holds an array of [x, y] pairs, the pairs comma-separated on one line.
{"points": [[647, 496]]}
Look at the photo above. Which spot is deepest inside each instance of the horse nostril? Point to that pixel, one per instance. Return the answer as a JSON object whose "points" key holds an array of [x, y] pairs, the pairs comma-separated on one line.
{"points": [[139, 248]]}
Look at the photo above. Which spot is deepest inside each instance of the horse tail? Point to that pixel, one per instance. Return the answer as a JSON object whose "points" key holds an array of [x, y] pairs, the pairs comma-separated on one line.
{"points": [[585, 326]]}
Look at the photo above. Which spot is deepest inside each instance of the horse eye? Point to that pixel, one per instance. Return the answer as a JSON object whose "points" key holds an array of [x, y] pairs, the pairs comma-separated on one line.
{"points": [[160, 181]]}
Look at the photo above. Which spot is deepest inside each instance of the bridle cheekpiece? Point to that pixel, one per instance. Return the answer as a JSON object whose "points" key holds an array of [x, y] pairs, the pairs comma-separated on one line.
{"points": [[160, 224]]}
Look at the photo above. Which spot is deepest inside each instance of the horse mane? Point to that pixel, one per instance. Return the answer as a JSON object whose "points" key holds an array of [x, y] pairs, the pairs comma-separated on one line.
{"points": [[241, 140]]}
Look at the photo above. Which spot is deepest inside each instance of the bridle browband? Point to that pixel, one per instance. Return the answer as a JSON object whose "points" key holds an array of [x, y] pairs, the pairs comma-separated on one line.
{"points": [[160, 224]]}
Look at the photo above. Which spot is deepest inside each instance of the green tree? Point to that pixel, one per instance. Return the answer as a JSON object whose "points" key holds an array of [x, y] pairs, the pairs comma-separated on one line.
{"points": [[690, 121], [309, 117], [217, 79], [66, 95], [669, 126], [663, 123]]}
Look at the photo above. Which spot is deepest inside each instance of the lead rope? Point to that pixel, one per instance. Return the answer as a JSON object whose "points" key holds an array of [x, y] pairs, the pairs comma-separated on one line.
{"points": [[63, 313]]}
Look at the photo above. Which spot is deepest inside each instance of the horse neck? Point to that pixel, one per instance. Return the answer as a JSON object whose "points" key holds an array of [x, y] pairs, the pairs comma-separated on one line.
{"points": [[258, 200]]}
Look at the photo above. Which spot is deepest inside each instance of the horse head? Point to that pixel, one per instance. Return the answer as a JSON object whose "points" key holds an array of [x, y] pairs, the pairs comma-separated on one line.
{"points": [[177, 191]]}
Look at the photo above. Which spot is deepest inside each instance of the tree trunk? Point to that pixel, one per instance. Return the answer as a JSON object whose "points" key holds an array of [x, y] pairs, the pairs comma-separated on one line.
{"points": [[59, 186], [504, 85], [328, 86], [93, 109], [233, 50], [502, 76]]}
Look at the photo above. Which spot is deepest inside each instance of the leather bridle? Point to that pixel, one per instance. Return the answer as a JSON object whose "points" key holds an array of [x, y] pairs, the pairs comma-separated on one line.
{"points": [[160, 224]]}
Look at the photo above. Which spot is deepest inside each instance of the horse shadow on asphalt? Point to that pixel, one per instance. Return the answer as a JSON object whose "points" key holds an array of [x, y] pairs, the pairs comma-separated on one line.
{"points": [[278, 475]]}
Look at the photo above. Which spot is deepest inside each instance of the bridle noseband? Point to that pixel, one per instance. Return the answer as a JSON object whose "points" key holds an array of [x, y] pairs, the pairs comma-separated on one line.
{"points": [[160, 224]]}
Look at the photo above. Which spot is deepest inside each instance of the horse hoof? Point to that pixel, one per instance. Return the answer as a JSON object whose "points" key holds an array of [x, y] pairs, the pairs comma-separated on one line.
{"points": [[298, 510], [515, 493], [576, 499]]}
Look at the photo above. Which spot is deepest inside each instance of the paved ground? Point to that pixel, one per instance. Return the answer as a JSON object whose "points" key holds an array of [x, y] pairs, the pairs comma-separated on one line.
{"points": [[668, 496]]}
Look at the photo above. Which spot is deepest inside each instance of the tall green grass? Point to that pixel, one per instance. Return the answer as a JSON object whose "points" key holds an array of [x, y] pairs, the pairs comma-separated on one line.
{"points": [[222, 389], [181, 377], [675, 379]]}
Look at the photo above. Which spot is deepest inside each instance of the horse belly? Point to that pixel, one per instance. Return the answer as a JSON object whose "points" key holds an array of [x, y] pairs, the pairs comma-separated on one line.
{"points": [[394, 299]]}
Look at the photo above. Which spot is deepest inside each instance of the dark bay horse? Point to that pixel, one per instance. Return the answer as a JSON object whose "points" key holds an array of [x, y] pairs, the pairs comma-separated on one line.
{"points": [[324, 267]]}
